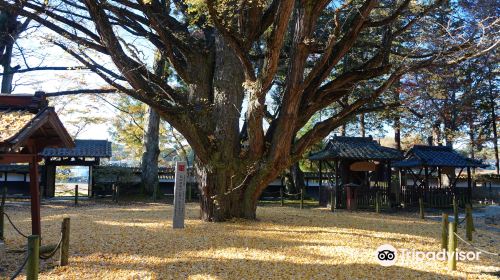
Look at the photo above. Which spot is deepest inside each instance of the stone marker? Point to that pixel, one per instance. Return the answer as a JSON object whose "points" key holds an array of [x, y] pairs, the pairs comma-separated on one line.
{"points": [[180, 194]]}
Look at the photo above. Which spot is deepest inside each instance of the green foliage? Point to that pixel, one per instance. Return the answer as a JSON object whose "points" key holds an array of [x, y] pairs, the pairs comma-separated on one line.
{"points": [[128, 128], [63, 173]]}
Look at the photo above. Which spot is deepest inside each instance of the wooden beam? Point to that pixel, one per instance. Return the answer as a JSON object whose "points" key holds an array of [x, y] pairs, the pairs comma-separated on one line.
{"points": [[17, 158]]}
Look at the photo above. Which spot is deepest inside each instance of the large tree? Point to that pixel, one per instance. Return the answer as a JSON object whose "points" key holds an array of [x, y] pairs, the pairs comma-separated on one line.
{"points": [[226, 51]]}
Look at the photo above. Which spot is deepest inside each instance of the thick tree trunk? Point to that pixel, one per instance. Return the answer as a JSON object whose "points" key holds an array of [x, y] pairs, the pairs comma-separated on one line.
{"points": [[494, 124], [221, 176], [223, 194], [9, 31], [296, 179], [149, 164], [8, 73], [151, 143]]}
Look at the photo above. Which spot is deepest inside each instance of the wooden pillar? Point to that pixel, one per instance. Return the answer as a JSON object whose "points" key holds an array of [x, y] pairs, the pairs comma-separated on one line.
{"points": [[281, 192], [389, 183], [402, 182], [320, 182], [90, 181], [337, 185], [35, 197], [50, 173], [426, 183]]}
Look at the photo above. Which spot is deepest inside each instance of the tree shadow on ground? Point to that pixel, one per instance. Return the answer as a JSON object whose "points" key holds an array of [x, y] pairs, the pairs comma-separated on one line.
{"points": [[257, 269], [103, 236]]}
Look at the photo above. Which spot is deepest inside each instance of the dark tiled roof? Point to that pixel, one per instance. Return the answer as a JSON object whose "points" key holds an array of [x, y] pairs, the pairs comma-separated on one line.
{"points": [[83, 148], [444, 156], [357, 148]]}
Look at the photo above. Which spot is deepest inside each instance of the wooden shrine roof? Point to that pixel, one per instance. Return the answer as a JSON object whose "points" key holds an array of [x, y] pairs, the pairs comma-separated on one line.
{"points": [[83, 148], [27, 120], [436, 156], [355, 148]]}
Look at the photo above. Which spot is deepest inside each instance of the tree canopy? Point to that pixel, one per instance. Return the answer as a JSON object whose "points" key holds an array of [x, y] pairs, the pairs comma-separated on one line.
{"points": [[309, 53]]}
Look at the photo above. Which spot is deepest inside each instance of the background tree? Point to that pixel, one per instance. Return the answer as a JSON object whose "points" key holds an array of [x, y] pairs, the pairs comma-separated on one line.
{"points": [[226, 51]]}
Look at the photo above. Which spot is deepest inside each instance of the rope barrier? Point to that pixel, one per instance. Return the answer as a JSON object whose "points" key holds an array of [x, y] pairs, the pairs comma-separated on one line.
{"points": [[481, 250], [20, 268], [14, 226], [51, 254]]}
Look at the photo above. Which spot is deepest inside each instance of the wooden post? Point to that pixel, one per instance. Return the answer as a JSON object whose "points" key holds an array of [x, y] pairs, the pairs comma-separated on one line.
{"points": [[469, 223], [189, 191], [402, 182], [32, 267], [320, 182], [155, 192], [76, 195], [332, 199], [421, 204], [2, 210], [452, 246], [113, 192], [377, 202], [389, 182], [444, 231], [117, 192], [36, 228], [301, 198], [64, 251], [281, 193], [337, 186], [455, 212], [90, 182]]}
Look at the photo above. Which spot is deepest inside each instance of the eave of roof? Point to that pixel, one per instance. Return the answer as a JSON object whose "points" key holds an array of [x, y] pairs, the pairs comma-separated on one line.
{"points": [[355, 148], [46, 116], [83, 148], [436, 156]]}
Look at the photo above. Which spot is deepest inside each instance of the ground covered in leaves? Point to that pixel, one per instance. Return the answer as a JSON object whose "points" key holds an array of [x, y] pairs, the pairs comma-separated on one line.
{"points": [[136, 241]]}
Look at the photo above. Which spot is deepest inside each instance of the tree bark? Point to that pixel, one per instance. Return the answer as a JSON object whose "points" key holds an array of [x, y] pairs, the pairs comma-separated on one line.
{"points": [[8, 34], [397, 120], [436, 133], [297, 178], [220, 176], [492, 102], [151, 143], [220, 198], [149, 163], [8, 75], [362, 125]]}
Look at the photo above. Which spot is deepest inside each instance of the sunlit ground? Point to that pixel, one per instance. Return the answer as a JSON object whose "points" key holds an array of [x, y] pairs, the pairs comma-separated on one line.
{"points": [[137, 242]]}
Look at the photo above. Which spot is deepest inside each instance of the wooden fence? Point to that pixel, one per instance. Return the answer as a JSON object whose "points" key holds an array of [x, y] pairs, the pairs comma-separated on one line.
{"points": [[434, 196]]}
